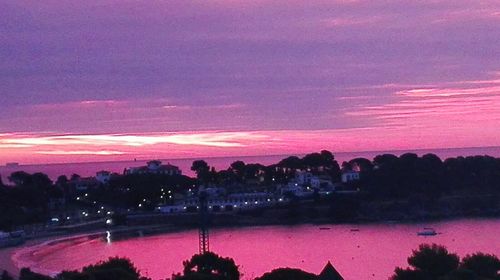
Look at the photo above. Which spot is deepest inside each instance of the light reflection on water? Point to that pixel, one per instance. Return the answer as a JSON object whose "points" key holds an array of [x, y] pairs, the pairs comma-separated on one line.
{"points": [[370, 253]]}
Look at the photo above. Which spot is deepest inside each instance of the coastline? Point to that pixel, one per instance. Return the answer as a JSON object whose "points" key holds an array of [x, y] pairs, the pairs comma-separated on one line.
{"points": [[9, 257]]}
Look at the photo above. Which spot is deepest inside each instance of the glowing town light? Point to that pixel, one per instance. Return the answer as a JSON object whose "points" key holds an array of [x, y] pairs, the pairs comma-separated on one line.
{"points": [[68, 218], [86, 194], [102, 207], [98, 211], [109, 221], [140, 204], [77, 198], [109, 213]]}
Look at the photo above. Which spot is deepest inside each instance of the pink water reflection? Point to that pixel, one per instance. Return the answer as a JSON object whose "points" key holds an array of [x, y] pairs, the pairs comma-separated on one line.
{"points": [[371, 253]]}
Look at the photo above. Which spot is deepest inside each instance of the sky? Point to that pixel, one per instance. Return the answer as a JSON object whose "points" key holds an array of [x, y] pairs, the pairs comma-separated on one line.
{"points": [[112, 80]]}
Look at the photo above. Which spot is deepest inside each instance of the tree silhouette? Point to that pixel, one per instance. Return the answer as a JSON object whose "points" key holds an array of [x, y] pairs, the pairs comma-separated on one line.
{"points": [[113, 269], [483, 265], [6, 276], [287, 274], [209, 266], [202, 170], [428, 262], [27, 274], [434, 260]]}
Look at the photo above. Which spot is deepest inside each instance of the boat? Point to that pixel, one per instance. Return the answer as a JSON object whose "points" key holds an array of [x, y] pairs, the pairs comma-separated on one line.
{"points": [[427, 232], [14, 238], [12, 164], [324, 228]]}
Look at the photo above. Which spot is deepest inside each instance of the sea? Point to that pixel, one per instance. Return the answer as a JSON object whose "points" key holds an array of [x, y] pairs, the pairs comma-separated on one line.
{"points": [[86, 169], [358, 251]]}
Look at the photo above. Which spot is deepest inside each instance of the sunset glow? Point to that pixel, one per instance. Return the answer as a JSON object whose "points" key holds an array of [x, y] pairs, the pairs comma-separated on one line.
{"points": [[226, 78]]}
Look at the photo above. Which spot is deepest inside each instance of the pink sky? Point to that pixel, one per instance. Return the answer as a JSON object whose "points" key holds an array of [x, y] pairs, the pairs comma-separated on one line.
{"points": [[109, 80]]}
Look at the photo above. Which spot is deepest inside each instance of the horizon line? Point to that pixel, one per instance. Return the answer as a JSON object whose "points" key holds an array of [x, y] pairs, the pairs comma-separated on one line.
{"points": [[249, 156]]}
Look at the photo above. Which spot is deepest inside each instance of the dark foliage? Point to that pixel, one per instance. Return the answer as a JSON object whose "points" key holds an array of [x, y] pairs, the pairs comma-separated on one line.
{"points": [[287, 274], [27, 274], [483, 265], [209, 266], [112, 269], [6, 276], [434, 262]]}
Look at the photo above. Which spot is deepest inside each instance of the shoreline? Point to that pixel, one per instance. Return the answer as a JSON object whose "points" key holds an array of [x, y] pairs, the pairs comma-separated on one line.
{"points": [[9, 255]]}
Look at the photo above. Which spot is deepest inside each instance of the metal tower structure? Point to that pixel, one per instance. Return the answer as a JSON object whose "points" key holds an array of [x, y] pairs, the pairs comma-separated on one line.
{"points": [[204, 242]]}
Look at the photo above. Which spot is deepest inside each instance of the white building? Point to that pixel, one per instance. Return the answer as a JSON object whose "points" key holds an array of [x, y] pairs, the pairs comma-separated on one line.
{"points": [[229, 203], [154, 167]]}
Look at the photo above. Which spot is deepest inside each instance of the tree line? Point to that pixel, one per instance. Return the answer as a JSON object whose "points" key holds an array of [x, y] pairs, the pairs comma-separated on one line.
{"points": [[420, 180]]}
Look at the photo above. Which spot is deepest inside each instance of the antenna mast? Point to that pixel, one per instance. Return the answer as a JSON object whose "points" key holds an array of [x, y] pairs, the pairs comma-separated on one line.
{"points": [[204, 243]]}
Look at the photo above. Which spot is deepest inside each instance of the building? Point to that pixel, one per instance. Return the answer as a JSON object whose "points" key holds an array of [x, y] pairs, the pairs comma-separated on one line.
{"points": [[154, 167], [84, 184], [304, 177], [330, 273], [296, 189], [349, 176], [103, 176], [230, 202]]}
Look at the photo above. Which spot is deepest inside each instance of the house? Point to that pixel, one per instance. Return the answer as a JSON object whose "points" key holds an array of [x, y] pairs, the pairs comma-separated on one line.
{"points": [[294, 188], [349, 176], [304, 177], [213, 192], [329, 273], [103, 176], [154, 167], [84, 184]]}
